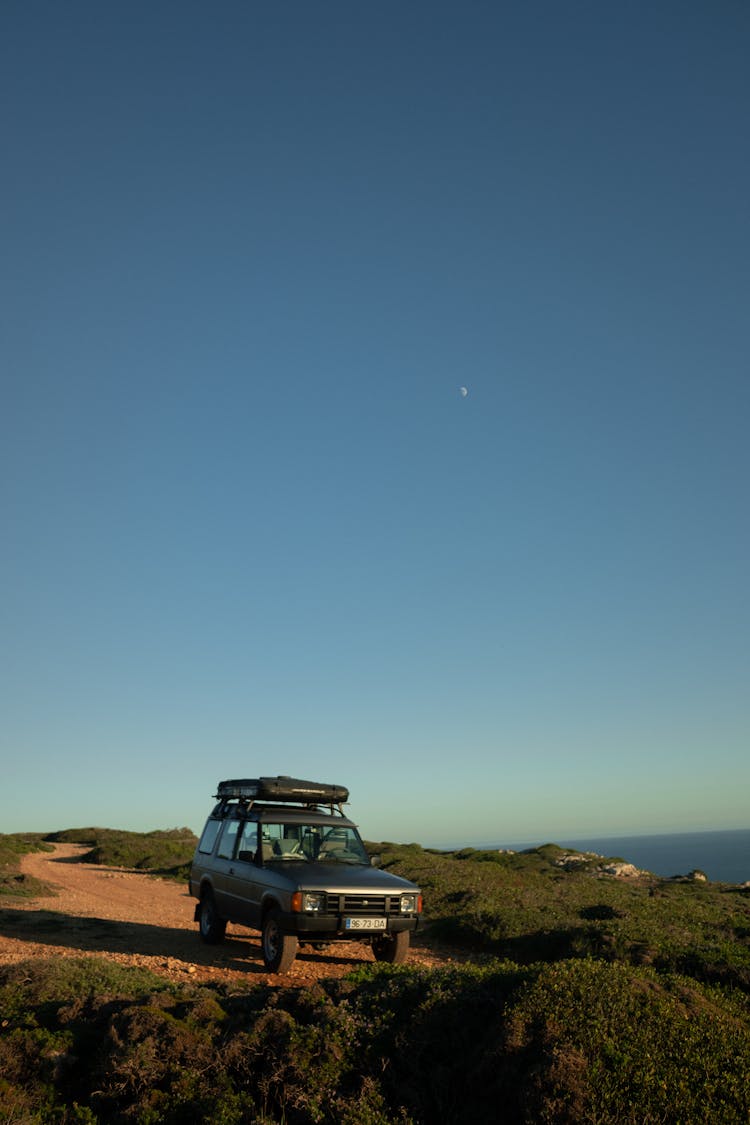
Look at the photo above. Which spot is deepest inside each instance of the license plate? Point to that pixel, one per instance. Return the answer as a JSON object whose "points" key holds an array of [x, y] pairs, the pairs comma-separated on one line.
{"points": [[364, 923]]}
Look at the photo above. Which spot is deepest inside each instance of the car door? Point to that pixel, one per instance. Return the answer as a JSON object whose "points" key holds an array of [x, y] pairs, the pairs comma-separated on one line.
{"points": [[222, 868], [242, 877]]}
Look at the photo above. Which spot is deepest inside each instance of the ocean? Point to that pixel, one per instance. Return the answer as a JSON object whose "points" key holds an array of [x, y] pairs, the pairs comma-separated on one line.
{"points": [[723, 856]]}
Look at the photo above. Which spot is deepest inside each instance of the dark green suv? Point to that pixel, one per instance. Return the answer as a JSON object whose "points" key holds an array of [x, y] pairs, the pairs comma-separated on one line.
{"points": [[278, 855]]}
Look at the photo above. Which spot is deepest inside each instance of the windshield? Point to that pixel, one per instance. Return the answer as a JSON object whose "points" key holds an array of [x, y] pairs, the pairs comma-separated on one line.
{"points": [[312, 842]]}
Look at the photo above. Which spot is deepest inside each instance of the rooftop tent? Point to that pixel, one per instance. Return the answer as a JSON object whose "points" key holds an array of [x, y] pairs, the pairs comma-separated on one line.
{"points": [[282, 789]]}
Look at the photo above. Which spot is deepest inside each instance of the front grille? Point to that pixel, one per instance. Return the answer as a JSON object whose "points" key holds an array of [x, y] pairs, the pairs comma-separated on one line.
{"points": [[363, 904]]}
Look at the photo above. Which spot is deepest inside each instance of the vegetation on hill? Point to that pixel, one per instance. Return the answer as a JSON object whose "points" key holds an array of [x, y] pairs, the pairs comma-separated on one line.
{"points": [[584, 998], [531, 906], [12, 882], [162, 852], [578, 1041]]}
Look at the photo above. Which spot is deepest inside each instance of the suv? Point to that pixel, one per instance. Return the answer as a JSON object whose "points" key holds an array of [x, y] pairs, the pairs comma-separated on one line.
{"points": [[278, 855]]}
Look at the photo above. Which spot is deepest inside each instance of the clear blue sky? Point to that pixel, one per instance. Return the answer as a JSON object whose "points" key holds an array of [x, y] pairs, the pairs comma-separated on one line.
{"points": [[250, 254]]}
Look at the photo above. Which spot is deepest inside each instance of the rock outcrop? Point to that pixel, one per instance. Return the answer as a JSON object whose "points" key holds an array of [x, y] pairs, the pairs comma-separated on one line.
{"points": [[572, 861]]}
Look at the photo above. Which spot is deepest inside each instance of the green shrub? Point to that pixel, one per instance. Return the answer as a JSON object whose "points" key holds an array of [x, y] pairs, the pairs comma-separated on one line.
{"points": [[12, 882], [610, 1043]]}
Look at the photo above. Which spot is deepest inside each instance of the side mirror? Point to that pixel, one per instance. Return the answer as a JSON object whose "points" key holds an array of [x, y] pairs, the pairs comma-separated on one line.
{"points": [[374, 861]]}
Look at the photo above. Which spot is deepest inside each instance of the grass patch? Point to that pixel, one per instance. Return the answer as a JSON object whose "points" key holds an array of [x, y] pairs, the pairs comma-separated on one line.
{"points": [[27, 985], [12, 883]]}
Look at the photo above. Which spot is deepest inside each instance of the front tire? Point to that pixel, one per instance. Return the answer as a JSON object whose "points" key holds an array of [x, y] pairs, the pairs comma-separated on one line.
{"points": [[392, 949], [279, 949], [212, 927]]}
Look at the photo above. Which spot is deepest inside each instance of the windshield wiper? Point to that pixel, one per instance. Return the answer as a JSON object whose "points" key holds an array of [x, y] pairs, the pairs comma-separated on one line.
{"points": [[341, 859]]}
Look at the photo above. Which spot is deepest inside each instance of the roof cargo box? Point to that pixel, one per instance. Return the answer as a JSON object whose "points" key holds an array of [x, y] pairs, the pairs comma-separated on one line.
{"points": [[283, 789]]}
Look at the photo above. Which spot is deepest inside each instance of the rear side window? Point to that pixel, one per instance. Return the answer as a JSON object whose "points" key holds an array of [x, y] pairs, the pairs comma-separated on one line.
{"points": [[228, 839], [208, 839]]}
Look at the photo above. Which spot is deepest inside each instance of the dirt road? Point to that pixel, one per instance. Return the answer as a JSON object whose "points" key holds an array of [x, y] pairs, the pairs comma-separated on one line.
{"points": [[136, 919]]}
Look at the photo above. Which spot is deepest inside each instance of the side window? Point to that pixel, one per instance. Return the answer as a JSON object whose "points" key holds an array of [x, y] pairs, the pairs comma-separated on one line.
{"points": [[228, 838], [208, 839], [248, 844]]}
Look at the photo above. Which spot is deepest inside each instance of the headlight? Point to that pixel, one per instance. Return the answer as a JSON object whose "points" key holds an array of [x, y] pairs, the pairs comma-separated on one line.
{"points": [[408, 904], [308, 901]]}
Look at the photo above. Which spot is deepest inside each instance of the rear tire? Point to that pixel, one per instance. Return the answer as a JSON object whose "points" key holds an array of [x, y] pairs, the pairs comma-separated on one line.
{"points": [[279, 949], [212, 927], [392, 949]]}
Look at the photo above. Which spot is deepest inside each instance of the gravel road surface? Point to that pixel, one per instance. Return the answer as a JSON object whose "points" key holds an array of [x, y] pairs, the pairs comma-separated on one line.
{"points": [[137, 919]]}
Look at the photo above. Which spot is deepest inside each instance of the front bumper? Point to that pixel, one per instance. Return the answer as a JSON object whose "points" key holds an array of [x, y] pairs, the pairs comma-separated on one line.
{"points": [[332, 926]]}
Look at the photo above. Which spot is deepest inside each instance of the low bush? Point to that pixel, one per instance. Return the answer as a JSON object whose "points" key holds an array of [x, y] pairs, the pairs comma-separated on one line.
{"points": [[575, 1042]]}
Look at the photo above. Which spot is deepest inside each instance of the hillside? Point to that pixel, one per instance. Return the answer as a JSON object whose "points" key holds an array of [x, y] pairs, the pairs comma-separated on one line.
{"points": [[544, 986], [548, 904]]}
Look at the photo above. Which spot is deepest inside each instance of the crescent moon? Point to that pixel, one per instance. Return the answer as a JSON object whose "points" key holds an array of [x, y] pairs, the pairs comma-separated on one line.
{"points": [[463, 391]]}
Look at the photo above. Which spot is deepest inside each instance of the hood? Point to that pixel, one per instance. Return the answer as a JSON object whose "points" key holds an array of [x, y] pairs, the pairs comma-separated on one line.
{"points": [[346, 878]]}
